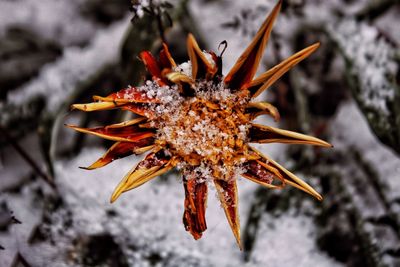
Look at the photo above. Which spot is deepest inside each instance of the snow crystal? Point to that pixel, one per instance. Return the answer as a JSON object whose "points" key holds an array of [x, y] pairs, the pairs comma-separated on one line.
{"points": [[185, 68]]}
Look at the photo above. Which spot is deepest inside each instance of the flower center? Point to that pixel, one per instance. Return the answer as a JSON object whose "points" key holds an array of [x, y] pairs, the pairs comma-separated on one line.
{"points": [[208, 130]]}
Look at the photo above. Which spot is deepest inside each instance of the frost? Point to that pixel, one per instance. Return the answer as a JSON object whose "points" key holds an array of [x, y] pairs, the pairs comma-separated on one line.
{"points": [[185, 68]]}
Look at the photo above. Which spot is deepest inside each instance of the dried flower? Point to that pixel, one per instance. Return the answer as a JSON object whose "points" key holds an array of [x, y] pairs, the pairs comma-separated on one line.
{"points": [[192, 118]]}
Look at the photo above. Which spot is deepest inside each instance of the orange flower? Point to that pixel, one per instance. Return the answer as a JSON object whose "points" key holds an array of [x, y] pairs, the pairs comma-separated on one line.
{"points": [[192, 118]]}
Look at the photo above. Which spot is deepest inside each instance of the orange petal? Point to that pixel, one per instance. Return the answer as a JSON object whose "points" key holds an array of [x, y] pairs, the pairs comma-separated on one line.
{"points": [[153, 165], [287, 176], [201, 67], [195, 205], [259, 108], [117, 132], [266, 134], [121, 150], [240, 76], [265, 80], [228, 195], [165, 58]]}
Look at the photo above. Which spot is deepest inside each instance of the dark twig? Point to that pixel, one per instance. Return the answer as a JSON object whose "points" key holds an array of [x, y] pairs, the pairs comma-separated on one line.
{"points": [[20, 261], [27, 157], [160, 25]]}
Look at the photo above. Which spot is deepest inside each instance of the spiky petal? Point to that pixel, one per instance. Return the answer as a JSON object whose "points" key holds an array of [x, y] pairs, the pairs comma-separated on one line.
{"points": [[265, 80], [266, 134], [228, 196], [241, 74], [155, 164]]}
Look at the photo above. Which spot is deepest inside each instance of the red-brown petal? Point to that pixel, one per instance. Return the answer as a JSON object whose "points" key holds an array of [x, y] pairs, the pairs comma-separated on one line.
{"points": [[201, 67], [120, 150], [195, 205], [241, 74], [127, 95], [152, 67], [130, 133], [281, 173], [165, 59], [140, 109], [228, 196]]}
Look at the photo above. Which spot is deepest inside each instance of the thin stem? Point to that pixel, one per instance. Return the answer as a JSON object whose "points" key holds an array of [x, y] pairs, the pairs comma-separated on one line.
{"points": [[27, 157], [160, 25]]}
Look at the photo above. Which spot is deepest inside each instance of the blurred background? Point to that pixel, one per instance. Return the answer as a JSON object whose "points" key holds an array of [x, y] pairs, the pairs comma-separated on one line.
{"points": [[57, 52]]}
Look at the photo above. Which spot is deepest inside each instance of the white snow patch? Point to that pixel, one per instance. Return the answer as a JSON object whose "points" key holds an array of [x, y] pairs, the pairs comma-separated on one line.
{"points": [[371, 58], [288, 241], [58, 80], [350, 129]]}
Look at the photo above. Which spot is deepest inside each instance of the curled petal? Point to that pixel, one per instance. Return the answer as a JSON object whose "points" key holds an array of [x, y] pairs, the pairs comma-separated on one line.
{"points": [[240, 76], [195, 205], [201, 67], [280, 172], [259, 108], [266, 134], [180, 78], [122, 149], [118, 132], [266, 79], [228, 196], [166, 61], [153, 165]]}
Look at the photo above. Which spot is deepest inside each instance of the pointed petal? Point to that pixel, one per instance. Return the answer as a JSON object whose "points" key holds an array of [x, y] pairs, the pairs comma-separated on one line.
{"points": [[96, 106], [266, 134], [266, 79], [240, 76], [201, 67], [153, 165], [152, 67], [122, 149], [288, 177], [195, 205], [259, 108], [127, 95], [130, 133], [165, 58], [228, 195]]}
